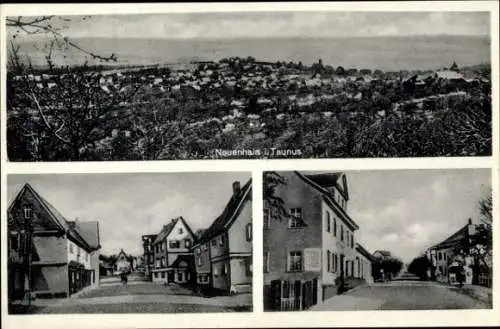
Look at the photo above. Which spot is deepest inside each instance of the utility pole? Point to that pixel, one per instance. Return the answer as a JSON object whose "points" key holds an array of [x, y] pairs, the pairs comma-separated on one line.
{"points": [[27, 252]]}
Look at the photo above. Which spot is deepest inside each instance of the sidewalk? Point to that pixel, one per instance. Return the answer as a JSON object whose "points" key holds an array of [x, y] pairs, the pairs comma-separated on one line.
{"points": [[221, 301], [480, 293]]}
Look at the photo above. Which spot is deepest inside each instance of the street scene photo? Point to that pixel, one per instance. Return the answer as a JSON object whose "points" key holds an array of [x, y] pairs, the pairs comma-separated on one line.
{"points": [[377, 240], [130, 243], [248, 85]]}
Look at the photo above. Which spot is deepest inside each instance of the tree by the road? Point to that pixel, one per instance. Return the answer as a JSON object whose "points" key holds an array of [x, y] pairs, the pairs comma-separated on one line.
{"points": [[390, 266], [275, 204], [419, 266]]}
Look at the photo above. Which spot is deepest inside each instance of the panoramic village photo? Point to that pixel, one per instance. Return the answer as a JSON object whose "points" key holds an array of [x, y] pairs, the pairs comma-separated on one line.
{"points": [[377, 240], [231, 85], [130, 243]]}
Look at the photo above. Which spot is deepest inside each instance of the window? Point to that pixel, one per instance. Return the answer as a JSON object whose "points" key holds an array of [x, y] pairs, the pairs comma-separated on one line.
{"points": [[328, 261], [156, 275], [14, 242], [163, 275], [86, 256], [174, 244], [179, 276], [187, 243], [295, 220], [198, 251], [267, 219], [334, 226], [224, 269], [335, 263], [352, 240], [214, 242], [216, 270], [71, 248], [27, 212], [205, 246], [181, 230], [341, 232], [266, 261], [328, 221], [157, 263], [199, 261], [222, 240], [249, 232], [295, 261]]}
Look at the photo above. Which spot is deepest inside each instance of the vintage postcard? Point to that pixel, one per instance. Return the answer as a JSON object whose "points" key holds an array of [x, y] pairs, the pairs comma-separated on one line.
{"points": [[248, 85], [130, 243], [377, 240], [249, 165]]}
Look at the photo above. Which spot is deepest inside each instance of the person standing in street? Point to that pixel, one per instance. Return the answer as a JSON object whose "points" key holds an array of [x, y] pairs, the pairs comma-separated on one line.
{"points": [[123, 278]]}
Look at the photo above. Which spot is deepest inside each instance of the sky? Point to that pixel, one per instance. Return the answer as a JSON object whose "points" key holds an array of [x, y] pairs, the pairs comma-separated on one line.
{"points": [[407, 211], [128, 206], [277, 24]]}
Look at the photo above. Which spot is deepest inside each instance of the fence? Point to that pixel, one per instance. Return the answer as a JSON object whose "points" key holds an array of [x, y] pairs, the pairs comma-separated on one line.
{"points": [[485, 279], [284, 295]]}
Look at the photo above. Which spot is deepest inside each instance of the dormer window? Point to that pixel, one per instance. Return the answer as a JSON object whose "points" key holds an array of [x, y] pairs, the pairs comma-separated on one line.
{"points": [[27, 212]]}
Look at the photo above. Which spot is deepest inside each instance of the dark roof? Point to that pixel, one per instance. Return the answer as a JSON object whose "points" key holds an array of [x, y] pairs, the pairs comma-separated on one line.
{"points": [[86, 232], [325, 180], [321, 182], [329, 180], [219, 224], [452, 239], [364, 252], [165, 231], [384, 253], [90, 232]]}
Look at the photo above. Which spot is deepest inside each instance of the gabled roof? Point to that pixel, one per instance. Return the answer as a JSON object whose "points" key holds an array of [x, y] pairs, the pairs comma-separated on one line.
{"points": [[364, 252], [329, 180], [85, 232], [122, 252], [225, 219], [384, 253], [453, 239], [326, 181], [165, 231], [89, 231]]}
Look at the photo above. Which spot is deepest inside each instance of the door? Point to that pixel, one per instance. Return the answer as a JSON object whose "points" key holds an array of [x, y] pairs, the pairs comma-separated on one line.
{"points": [[342, 262], [170, 276]]}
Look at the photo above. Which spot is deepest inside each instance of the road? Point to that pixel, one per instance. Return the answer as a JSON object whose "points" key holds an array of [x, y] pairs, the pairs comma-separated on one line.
{"points": [[401, 295], [138, 297]]}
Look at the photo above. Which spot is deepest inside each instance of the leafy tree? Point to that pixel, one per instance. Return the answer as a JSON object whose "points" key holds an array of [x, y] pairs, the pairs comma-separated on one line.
{"points": [[419, 266], [340, 71], [454, 67], [275, 204]]}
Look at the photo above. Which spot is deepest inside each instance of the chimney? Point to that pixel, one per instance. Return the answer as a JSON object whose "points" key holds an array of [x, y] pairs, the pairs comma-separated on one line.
{"points": [[236, 188]]}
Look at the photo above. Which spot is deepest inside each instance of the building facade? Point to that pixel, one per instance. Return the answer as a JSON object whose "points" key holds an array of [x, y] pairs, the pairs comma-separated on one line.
{"points": [[318, 238], [223, 254], [449, 253], [123, 263], [148, 254], [172, 253], [49, 256]]}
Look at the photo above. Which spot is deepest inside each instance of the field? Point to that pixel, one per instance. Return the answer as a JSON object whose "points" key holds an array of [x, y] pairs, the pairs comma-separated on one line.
{"points": [[243, 108]]}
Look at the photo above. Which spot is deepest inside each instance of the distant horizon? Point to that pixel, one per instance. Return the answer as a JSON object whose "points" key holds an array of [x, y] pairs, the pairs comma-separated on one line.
{"points": [[413, 36]]}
